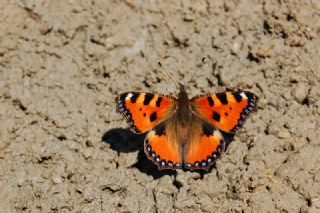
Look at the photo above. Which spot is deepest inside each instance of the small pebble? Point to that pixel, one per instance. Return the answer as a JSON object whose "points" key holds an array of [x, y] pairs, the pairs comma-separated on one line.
{"points": [[303, 111], [293, 42], [89, 143], [20, 182], [273, 129], [235, 48], [56, 179], [284, 134], [300, 92], [87, 152], [188, 17], [313, 95]]}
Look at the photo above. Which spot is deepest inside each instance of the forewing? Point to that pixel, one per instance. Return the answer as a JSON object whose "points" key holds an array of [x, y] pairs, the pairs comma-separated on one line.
{"points": [[227, 111], [144, 110]]}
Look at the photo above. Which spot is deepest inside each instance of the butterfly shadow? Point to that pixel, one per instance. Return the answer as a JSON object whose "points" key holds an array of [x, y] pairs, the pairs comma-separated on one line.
{"points": [[125, 141], [228, 137]]}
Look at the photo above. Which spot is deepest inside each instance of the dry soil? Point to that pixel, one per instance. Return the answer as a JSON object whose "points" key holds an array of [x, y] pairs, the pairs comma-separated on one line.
{"points": [[63, 148]]}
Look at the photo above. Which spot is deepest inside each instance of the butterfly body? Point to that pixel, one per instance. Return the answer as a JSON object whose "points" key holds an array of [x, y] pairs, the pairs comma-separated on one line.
{"points": [[185, 133]]}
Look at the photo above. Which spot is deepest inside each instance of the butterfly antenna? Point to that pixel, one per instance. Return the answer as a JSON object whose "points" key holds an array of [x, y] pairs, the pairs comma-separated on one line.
{"points": [[202, 63], [160, 65]]}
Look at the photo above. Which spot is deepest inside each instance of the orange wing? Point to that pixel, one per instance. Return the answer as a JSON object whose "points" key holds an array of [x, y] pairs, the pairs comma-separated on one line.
{"points": [[205, 149], [227, 111], [144, 110], [161, 150]]}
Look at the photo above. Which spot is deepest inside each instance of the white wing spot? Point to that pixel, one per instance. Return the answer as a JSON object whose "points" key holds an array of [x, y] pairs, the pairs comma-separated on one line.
{"points": [[243, 95], [129, 96]]}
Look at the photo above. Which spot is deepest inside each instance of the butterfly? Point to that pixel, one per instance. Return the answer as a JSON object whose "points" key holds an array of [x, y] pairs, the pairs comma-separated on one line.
{"points": [[185, 133]]}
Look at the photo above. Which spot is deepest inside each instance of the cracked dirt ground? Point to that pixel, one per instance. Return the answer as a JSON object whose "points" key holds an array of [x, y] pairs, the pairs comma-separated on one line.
{"points": [[63, 148]]}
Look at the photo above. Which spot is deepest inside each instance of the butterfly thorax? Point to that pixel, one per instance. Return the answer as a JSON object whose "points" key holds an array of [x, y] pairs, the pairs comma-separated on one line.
{"points": [[183, 112]]}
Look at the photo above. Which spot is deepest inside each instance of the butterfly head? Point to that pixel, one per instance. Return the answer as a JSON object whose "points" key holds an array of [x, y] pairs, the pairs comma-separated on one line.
{"points": [[182, 96], [182, 88]]}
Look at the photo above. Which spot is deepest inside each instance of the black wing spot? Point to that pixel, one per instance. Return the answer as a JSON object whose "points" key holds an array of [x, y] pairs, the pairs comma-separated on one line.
{"points": [[216, 116], [223, 98], [158, 102], [153, 116], [210, 100], [160, 130], [230, 108], [250, 95], [134, 97], [226, 114], [147, 98], [237, 96], [123, 96], [144, 114], [140, 109], [207, 130]]}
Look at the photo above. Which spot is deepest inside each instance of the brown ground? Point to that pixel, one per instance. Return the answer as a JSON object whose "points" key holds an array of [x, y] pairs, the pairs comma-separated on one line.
{"points": [[63, 148]]}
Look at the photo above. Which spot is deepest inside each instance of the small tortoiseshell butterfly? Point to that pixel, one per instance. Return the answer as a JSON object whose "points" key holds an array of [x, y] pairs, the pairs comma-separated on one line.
{"points": [[182, 132]]}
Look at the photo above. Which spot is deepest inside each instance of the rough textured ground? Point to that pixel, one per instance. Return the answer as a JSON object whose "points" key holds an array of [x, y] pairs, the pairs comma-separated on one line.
{"points": [[64, 149]]}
